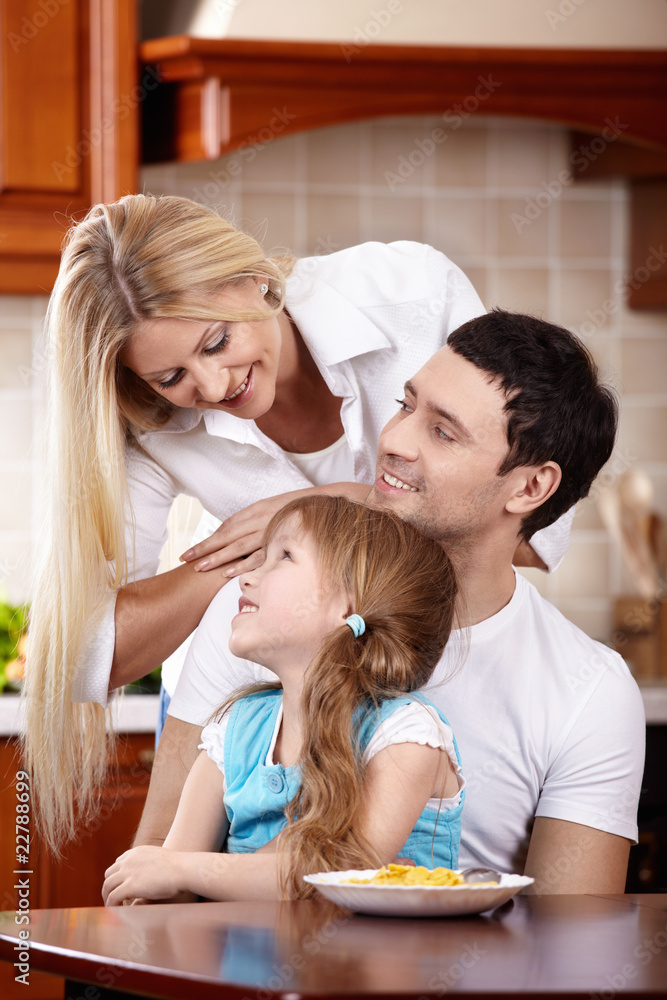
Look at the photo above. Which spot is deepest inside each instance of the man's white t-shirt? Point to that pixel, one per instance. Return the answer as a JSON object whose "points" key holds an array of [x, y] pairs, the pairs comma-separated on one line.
{"points": [[548, 721]]}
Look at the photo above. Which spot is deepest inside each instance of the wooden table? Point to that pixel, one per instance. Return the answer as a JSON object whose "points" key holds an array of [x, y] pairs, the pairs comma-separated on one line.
{"points": [[573, 946]]}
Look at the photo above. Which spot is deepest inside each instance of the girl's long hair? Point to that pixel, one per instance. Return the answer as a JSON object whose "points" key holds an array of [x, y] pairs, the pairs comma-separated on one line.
{"points": [[403, 585], [136, 258]]}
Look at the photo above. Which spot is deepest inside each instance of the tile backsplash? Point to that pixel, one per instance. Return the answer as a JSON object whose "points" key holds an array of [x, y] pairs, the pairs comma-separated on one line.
{"points": [[21, 366], [489, 197]]}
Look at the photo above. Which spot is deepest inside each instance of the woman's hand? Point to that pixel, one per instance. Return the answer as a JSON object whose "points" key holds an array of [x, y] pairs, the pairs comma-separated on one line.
{"points": [[143, 874], [237, 542]]}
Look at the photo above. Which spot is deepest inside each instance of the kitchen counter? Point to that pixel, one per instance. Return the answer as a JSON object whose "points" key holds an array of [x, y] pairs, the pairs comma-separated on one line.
{"points": [[655, 703], [131, 713]]}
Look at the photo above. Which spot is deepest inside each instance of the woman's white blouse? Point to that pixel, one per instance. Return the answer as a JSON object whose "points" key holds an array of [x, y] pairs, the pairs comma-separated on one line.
{"points": [[371, 316]]}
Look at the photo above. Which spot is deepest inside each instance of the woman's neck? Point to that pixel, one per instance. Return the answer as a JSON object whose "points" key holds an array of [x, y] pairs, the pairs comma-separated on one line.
{"points": [[305, 415]]}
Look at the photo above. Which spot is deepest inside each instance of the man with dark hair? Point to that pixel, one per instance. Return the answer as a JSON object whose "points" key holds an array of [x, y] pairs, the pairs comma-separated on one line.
{"points": [[555, 404], [499, 433]]}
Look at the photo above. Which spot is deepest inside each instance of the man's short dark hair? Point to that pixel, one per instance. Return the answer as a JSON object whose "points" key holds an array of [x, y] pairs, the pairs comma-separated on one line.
{"points": [[557, 408]]}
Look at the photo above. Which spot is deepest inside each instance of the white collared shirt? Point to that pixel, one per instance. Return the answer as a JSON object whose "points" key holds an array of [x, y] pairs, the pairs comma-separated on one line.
{"points": [[371, 316]]}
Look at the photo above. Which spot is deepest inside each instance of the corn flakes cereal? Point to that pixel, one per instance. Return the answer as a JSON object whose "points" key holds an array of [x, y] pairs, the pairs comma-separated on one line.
{"points": [[409, 875]]}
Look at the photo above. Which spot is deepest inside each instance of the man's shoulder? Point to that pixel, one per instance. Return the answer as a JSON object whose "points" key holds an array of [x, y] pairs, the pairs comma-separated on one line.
{"points": [[543, 613], [530, 652], [564, 649]]}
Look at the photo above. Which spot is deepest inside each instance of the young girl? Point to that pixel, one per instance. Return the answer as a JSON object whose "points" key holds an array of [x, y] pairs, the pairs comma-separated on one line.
{"points": [[337, 766]]}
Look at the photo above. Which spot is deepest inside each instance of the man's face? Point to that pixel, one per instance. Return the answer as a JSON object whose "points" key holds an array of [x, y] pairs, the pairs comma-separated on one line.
{"points": [[438, 458]]}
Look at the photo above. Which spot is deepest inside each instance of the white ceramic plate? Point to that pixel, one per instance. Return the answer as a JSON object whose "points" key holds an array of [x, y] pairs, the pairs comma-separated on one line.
{"points": [[414, 900]]}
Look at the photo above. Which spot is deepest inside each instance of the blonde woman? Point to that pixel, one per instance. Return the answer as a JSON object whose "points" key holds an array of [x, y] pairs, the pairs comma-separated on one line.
{"points": [[184, 361]]}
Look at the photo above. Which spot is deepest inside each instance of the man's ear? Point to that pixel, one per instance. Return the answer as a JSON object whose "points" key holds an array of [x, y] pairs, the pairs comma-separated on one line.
{"points": [[535, 484]]}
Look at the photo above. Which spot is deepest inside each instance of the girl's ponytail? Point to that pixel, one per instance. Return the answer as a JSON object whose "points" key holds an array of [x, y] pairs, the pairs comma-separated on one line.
{"points": [[326, 806]]}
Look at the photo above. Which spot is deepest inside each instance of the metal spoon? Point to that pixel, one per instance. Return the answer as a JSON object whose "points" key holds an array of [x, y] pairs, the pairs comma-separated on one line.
{"points": [[473, 875]]}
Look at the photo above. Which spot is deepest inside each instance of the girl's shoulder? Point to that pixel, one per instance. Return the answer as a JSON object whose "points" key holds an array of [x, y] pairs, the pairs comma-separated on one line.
{"points": [[369, 716], [388, 706]]}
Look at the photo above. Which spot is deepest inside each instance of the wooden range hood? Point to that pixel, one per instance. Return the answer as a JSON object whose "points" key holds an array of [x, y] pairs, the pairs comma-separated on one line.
{"points": [[216, 95]]}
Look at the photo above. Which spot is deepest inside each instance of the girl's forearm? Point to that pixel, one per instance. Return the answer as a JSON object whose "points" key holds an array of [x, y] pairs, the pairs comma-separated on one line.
{"points": [[154, 616], [230, 877]]}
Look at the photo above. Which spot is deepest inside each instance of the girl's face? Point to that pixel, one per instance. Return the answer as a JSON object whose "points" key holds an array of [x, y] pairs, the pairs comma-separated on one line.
{"points": [[216, 365], [286, 610]]}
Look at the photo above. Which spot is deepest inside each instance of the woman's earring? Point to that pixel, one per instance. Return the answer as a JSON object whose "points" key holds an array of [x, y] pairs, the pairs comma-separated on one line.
{"points": [[263, 288]]}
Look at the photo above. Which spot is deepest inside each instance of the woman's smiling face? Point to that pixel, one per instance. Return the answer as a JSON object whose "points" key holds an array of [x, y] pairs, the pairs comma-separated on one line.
{"points": [[211, 365]]}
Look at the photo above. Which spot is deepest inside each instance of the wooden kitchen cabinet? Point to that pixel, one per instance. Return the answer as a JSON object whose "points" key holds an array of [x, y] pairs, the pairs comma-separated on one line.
{"points": [[76, 879], [69, 111], [218, 95]]}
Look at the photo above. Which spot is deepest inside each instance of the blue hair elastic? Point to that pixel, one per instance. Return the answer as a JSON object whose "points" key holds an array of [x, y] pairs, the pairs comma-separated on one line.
{"points": [[357, 624]]}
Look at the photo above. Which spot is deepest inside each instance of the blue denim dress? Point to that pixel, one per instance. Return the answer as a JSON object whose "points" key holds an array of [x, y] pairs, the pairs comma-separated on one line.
{"points": [[257, 794]]}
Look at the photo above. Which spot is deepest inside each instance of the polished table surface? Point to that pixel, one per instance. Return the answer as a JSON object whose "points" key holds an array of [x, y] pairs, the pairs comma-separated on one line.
{"points": [[575, 946]]}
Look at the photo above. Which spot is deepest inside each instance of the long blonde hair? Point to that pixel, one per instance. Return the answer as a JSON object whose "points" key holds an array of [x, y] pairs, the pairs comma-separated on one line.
{"points": [[136, 258], [404, 587]]}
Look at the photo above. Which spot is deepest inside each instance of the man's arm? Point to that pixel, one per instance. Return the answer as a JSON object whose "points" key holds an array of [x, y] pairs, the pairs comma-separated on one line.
{"points": [[570, 858], [176, 753], [586, 818]]}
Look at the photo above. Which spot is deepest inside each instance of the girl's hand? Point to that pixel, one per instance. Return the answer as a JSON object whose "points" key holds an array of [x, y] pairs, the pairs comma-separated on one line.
{"points": [[142, 874], [238, 539]]}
